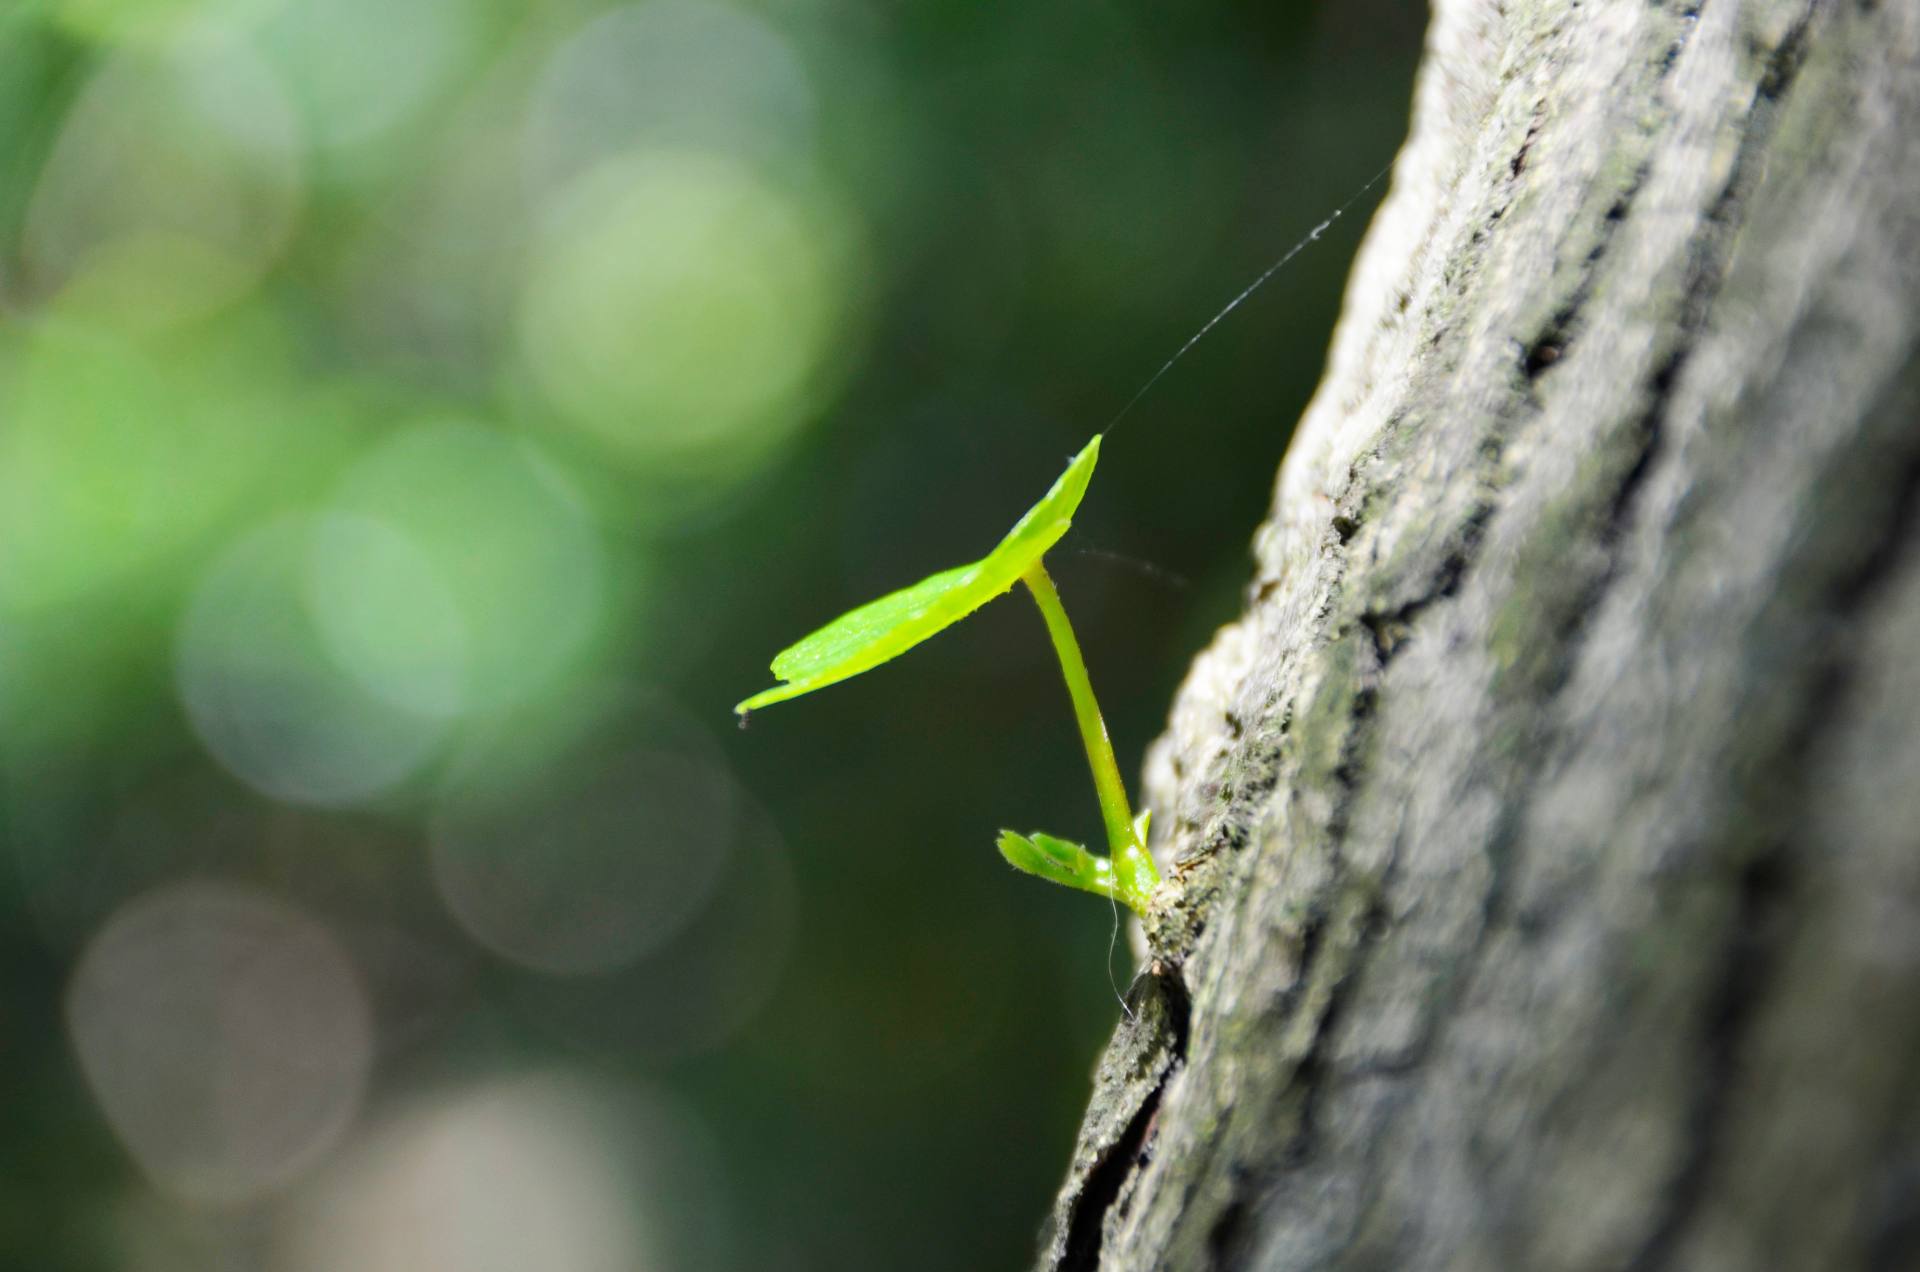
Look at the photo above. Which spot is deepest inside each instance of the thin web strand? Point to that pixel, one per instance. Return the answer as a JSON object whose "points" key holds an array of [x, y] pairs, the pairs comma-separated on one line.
{"points": [[1113, 942], [1166, 578], [1313, 236]]}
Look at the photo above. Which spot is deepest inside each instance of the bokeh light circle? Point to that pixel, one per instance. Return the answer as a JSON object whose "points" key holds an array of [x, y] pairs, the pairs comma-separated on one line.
{"points": [[225, 1035], [548, 1171], [158, 21], [522, 564], [359, 68], [174, 184], [386, 614], [591, 866], [265, 692], [80, 467], [680, 309], [118, 459], [668, 75], [695, 993]]}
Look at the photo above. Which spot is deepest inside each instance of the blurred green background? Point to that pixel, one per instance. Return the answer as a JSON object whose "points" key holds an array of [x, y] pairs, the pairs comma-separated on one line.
{"points": [[421, 419]]}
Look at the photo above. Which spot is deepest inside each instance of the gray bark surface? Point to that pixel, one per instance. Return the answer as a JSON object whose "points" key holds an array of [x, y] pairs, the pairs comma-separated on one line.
{"points": [[1544, 840]]}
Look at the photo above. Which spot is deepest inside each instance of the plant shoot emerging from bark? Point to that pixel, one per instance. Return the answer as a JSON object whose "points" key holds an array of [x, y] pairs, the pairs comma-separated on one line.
{"points": [[882, 630]]}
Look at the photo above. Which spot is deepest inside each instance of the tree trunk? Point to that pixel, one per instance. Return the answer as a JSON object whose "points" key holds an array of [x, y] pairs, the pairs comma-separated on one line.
{"points": [[1546, 835]]}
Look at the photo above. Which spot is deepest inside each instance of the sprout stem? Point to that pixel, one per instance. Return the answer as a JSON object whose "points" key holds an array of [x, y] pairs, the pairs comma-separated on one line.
{"points": [[1133, 867]]}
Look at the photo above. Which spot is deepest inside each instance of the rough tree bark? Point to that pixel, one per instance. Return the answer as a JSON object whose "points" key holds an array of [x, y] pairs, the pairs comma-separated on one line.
{"points": [[1546, 835]]}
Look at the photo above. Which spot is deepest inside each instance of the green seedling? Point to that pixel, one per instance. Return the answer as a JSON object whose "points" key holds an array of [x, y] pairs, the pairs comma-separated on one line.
{"points": [[882, 630], [862, 639]]}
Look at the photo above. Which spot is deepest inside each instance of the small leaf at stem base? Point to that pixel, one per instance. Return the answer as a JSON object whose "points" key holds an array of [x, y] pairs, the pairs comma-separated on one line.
{"points": [[1066, 863]]}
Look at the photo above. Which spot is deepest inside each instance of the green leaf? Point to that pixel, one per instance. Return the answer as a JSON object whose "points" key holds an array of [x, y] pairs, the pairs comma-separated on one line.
{"points": [[878, 631], [1059, 861]]}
